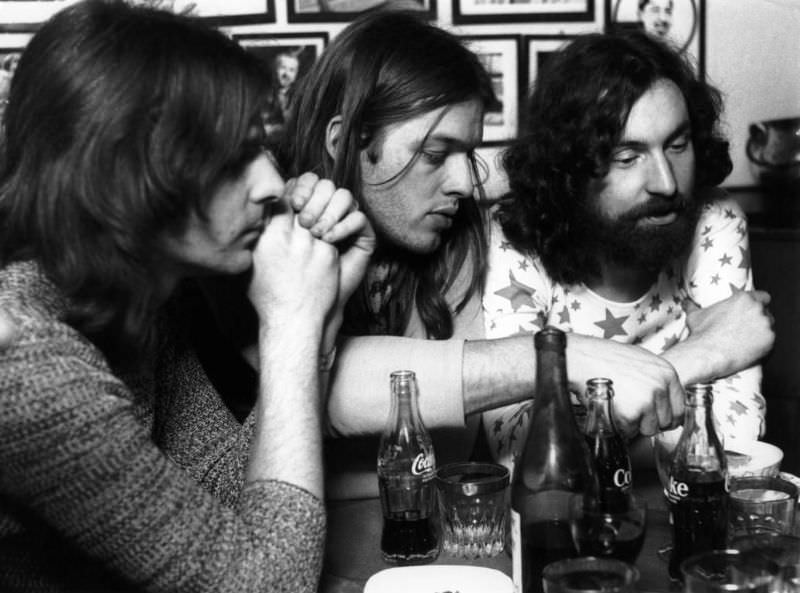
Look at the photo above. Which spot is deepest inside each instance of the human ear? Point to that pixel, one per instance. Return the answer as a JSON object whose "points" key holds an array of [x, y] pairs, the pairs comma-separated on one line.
{"points": [[332, 131]]}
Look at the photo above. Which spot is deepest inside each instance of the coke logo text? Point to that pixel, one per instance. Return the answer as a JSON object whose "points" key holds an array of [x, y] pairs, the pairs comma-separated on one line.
{"points": [[622, 478], [677, 489], [420, 465]]}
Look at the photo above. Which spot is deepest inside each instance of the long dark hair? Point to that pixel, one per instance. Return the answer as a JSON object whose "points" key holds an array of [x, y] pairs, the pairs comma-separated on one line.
{"points": [[387, 67], [575, 116], [121, 120]]}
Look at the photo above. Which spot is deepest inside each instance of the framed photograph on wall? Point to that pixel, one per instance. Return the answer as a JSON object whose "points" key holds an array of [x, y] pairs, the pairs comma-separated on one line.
{"points": [[9, 56], [28, 15], [321, 11], [500, 55], [288, 57], [537, 49], [516, 11], [682, 22]]}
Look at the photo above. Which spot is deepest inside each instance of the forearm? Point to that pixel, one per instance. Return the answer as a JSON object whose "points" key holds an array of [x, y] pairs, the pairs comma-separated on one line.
{"points": [[287, 442], [359, 397]]}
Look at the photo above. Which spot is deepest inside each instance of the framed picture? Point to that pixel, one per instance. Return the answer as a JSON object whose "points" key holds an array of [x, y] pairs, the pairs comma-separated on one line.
{"points": [[682, 22], [288, 57], [499, 54], [516, 11], [316, 11], [537, 49], [9, 56], [28, 15]]}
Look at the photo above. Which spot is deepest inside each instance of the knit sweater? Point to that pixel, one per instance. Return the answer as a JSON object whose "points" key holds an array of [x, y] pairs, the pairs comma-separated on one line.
{"points": [[116, 481]]}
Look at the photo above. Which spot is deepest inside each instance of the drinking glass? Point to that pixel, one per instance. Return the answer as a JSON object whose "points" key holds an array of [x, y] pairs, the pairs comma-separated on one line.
{"points": [[784, 550], [761, 504], [589, 575], [729, 571], [473, 508], [608, 534]]}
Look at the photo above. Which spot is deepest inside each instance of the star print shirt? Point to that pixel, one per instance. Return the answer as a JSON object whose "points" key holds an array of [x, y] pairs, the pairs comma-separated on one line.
{"points": [[520, 297]]}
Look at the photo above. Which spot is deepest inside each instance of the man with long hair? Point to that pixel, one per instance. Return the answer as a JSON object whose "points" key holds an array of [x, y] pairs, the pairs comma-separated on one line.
{"points": [[393, 110], [614, 228]]}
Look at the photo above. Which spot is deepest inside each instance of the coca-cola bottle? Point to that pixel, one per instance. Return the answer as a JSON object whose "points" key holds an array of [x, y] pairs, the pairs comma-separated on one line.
{"points": [[406, 468], [612, 463], [697, 488], [554, 467]]}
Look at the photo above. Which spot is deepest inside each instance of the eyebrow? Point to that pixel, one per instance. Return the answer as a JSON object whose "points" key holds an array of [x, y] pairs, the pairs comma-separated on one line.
{"points": [[680, 130], [449, 141]]}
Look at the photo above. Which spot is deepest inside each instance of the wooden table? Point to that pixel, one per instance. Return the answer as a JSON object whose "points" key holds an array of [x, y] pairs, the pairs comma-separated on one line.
{"points": [[354, 533]]}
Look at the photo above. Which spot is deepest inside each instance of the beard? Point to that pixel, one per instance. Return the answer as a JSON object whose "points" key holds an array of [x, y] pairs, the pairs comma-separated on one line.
{"points": [[629, 241]]}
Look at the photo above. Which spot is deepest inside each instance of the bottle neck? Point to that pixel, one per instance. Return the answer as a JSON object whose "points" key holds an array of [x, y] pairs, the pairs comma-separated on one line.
{"points": [[599, 419], [551, 378]]}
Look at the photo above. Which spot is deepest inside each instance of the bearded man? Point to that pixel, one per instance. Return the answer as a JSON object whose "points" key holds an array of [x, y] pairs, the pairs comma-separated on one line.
{"points": [[614, 226]]}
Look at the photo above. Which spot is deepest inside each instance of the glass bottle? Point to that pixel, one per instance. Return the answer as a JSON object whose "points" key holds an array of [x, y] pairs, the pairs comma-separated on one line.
{"points": [[554, 466], [697, 488], [406, 469], [612, 463]]}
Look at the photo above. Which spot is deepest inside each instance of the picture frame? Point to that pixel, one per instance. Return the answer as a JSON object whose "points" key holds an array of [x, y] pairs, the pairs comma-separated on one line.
{"points": [[537, 48], [288, 57], [326, 11], [500, 55], [28, 15], [683, 26], [517, 11]]}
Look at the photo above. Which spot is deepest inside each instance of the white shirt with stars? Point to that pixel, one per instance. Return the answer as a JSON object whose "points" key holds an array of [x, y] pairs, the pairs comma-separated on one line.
{"points": [[520, 297]]}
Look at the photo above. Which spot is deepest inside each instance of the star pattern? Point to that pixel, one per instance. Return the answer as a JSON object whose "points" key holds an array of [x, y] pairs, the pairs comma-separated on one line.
{"points": [[656, 321], [517, 293], [612, 326]]}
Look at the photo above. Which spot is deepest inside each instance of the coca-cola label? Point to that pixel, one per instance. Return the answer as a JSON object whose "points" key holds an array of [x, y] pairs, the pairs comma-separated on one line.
{"points": [[421, 465], [622, 478], [676, 490]]}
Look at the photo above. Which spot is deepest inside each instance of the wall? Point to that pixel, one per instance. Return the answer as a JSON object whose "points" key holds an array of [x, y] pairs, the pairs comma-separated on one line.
{"points": [[753, 55]]}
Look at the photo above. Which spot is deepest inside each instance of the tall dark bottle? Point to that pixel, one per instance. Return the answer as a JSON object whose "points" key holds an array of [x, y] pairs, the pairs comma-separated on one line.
{"points": [[553, 467], [697, 488], [406, 468], [612, 463]]}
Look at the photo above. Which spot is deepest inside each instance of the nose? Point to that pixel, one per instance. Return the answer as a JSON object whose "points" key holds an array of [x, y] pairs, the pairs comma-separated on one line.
{"points": [[460, 182], [266, 182], [661, 176]]}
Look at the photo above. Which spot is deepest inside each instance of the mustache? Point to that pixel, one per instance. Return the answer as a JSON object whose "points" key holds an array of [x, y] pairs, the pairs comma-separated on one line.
{"points": [[658, 206]]}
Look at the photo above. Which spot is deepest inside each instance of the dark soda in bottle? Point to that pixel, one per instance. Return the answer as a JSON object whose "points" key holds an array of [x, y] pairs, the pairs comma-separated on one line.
{"points": [[612, 463], [406, 468], [697, 487], [553, 468]]}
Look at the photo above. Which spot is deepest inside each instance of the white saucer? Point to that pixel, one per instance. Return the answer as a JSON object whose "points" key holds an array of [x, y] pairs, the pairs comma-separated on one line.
{"points": [[439, 578]]}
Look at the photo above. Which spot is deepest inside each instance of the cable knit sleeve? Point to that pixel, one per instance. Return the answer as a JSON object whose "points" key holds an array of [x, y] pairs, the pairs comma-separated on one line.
{"points": [[79, 469]]}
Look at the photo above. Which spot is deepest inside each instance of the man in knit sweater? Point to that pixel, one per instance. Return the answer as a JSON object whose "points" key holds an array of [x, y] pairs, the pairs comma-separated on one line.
{"points": [[134, 162]]}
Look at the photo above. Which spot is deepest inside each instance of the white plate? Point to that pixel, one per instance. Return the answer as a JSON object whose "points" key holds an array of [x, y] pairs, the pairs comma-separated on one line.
{"points": [[439, 578]]}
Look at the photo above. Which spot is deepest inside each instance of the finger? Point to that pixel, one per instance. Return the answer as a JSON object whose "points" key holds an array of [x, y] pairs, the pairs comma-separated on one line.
{"points": [[648, 425], [316, 203], [354, 224], [677, 399], [340, 204], [300, 190], [663, 407], [762, 296]]}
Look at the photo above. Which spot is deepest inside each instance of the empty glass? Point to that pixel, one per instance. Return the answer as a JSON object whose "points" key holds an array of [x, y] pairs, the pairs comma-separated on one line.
{"points": [[473, 508], [761, 504], [729, 571], [589, 575]]}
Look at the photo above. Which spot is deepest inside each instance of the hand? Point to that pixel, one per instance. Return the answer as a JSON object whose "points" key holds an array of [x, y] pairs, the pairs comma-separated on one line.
{"points": [[295, 275], [648, 396], [332, 215], [738, 330]]}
